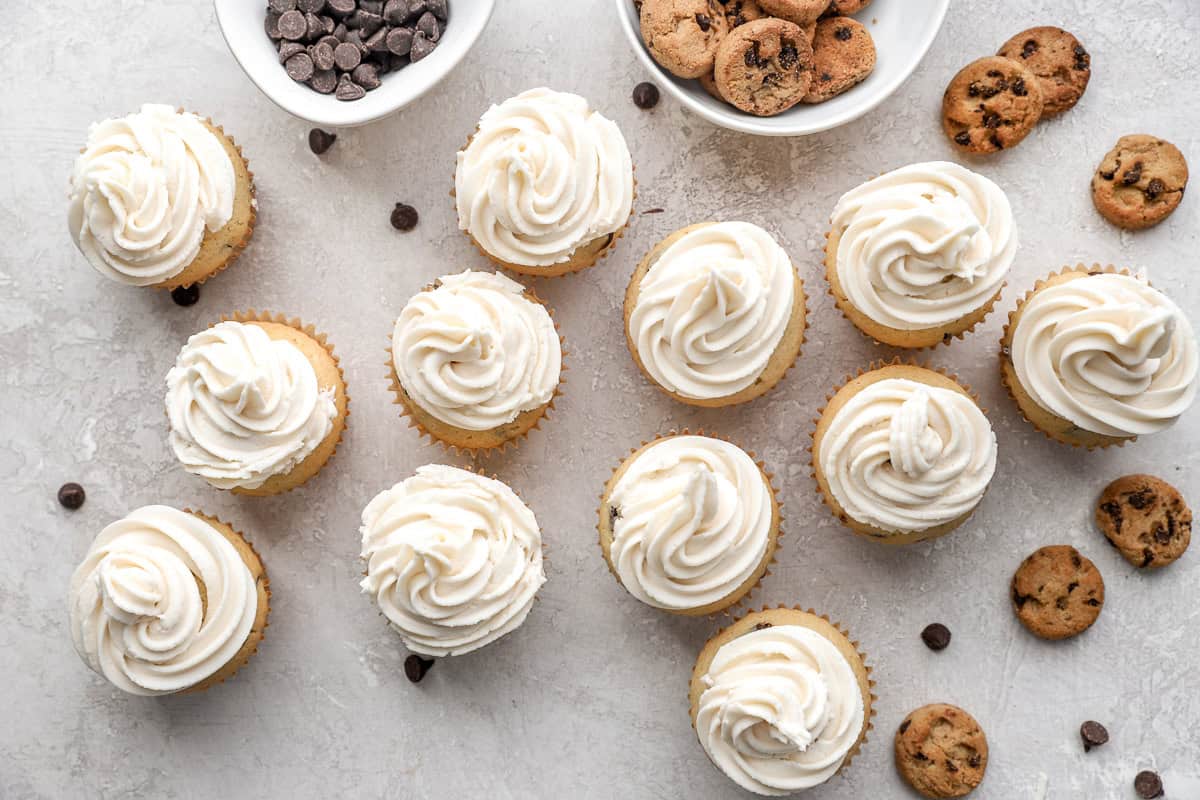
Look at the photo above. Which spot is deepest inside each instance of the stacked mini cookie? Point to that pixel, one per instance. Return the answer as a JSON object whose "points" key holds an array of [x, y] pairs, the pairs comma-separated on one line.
{"points": [[761, 56]]}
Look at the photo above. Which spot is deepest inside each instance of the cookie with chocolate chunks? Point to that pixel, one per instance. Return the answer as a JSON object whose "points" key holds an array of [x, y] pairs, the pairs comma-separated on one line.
{"points": [[683, 35], [1140, 182], [739, 12], [941, 751], [1062, 66], [800, 12], [1057, 593], [990, 105], [843, 56], [1146, 519], [764, 67]]}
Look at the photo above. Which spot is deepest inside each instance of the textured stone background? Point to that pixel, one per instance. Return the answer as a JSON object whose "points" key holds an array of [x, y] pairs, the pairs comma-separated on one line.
{"points": [[587, 700]]}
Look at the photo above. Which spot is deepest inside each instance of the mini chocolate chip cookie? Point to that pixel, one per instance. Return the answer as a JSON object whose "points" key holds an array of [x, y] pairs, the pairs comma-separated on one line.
{"points": [[1057, 593], [1146, 519], [941, 751], [801, 12], [683, 35], [1063, 68], [1140, 182], [991, 105], [843, 56], [764, 67], [846, 7], [709, 84], [739, 12]]}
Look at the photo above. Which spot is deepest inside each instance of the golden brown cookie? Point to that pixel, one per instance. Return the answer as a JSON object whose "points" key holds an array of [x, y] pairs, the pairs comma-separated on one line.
{"points": [[683, 35], [1146, 519], [843, 56], [846, 7], [990, 105], [801, 12], [1057, 593], [1061, 64], [1140, 182], [739, 12], [941, 751], [764, 67]]}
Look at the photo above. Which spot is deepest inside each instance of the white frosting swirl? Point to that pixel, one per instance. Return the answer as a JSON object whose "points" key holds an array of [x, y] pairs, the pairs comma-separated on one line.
{"points": [[923, 245], [454, 559], [1107, 352], [781, 710], [145, 190], [904, 457], [475, 352], [712, 309], [137, 614], [244, 407], [695, 518], [542, 175]]}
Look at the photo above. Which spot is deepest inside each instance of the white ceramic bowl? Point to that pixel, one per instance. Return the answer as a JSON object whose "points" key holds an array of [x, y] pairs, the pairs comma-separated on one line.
{"points": [[241, 23], [903, 31]]}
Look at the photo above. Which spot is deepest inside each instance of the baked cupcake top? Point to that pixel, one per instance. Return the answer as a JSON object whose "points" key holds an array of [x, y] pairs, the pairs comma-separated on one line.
{"points": [[244, 407], [161, 602], [542, 175], [923, 245], [475, 351], [1107, 352], [903, 456], [454, 559], [712, 308], [781, 710], [144, 191], [694, 520]]}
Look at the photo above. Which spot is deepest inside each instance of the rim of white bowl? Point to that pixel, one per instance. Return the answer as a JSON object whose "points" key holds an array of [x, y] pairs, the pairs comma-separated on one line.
{"points": [[348, 116], [748, 123]]}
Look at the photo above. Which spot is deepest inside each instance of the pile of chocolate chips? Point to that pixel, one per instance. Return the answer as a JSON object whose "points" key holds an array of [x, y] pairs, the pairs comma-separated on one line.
{"points": [[343, 47]]}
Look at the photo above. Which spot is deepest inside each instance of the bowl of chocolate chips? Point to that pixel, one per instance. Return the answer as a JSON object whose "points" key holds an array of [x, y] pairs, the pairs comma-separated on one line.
{"points": [[341, 63]]}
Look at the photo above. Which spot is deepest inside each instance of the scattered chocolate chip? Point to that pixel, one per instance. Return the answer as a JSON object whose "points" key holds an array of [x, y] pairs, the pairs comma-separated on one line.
{"points": [[415, 667], [645, 95], [843, 34], [1093, 734], [704, 22], [319, 141], [1132, 176], [1030, 47], [348, 89], [936, 636], [300, 67], [963, 138], [421, 47], [71, 496], [186, 295], [404, 217], [292, 25], [1155, 188], [1148, 785]]}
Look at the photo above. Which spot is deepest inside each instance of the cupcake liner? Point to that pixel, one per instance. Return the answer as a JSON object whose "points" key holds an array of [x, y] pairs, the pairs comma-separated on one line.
{"points": [[773, 550], [1004, 360], [174, 282], [407, 412], [715, 402], [243, 656], [554, 270], [870, 702], [844, 307], [883, 537], [252, 315]]}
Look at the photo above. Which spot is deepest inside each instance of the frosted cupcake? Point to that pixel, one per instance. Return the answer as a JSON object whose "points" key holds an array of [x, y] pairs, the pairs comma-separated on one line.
{"points": [[902, 454], [714, 314], [689, 524], [781, 701], [918, 256], [160, 198], [1094, 357], [476, 360], [545, 184], [454, 559], [168, 601], [256, 404]]}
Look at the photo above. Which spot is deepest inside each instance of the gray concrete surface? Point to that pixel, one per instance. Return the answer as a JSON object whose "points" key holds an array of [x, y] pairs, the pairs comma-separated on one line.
{"points": [[587, 700]]}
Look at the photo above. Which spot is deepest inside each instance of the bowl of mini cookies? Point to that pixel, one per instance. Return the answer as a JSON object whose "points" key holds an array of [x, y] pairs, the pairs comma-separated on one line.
{"points": [[781, 67]]}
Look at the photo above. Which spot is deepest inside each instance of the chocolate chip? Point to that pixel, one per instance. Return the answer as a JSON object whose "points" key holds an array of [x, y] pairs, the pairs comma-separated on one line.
{"points": [[292, 25], [1108, 176], [311, 6], [439, 8], [348, 89], [373, 6], [1029, 48], [319, 141], [963, 138], [367, 23], [186, 295], [645, 95], [904, 725], [428, 25], [378, 41], [751, 58], [300, 67], [322, 55], [347, 56], [1142, 498], [71, 496], [973, 89], [395, 12], [324, 81], [843, 34], [614, 514], [704, 22], [1132, 176], [281, 6], [762, 626], [1148, 785], [996, 143], [789, 56], [366, 76], [421, 47], [272, 25], [341, 7], [289, 49], [1093, 734], [1083, 61], [975, 760], [936, 636], [315, 27], [404, 217], [825, 77], [1155, 188], [1018, 87], [415, 667], [991, 120]]}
